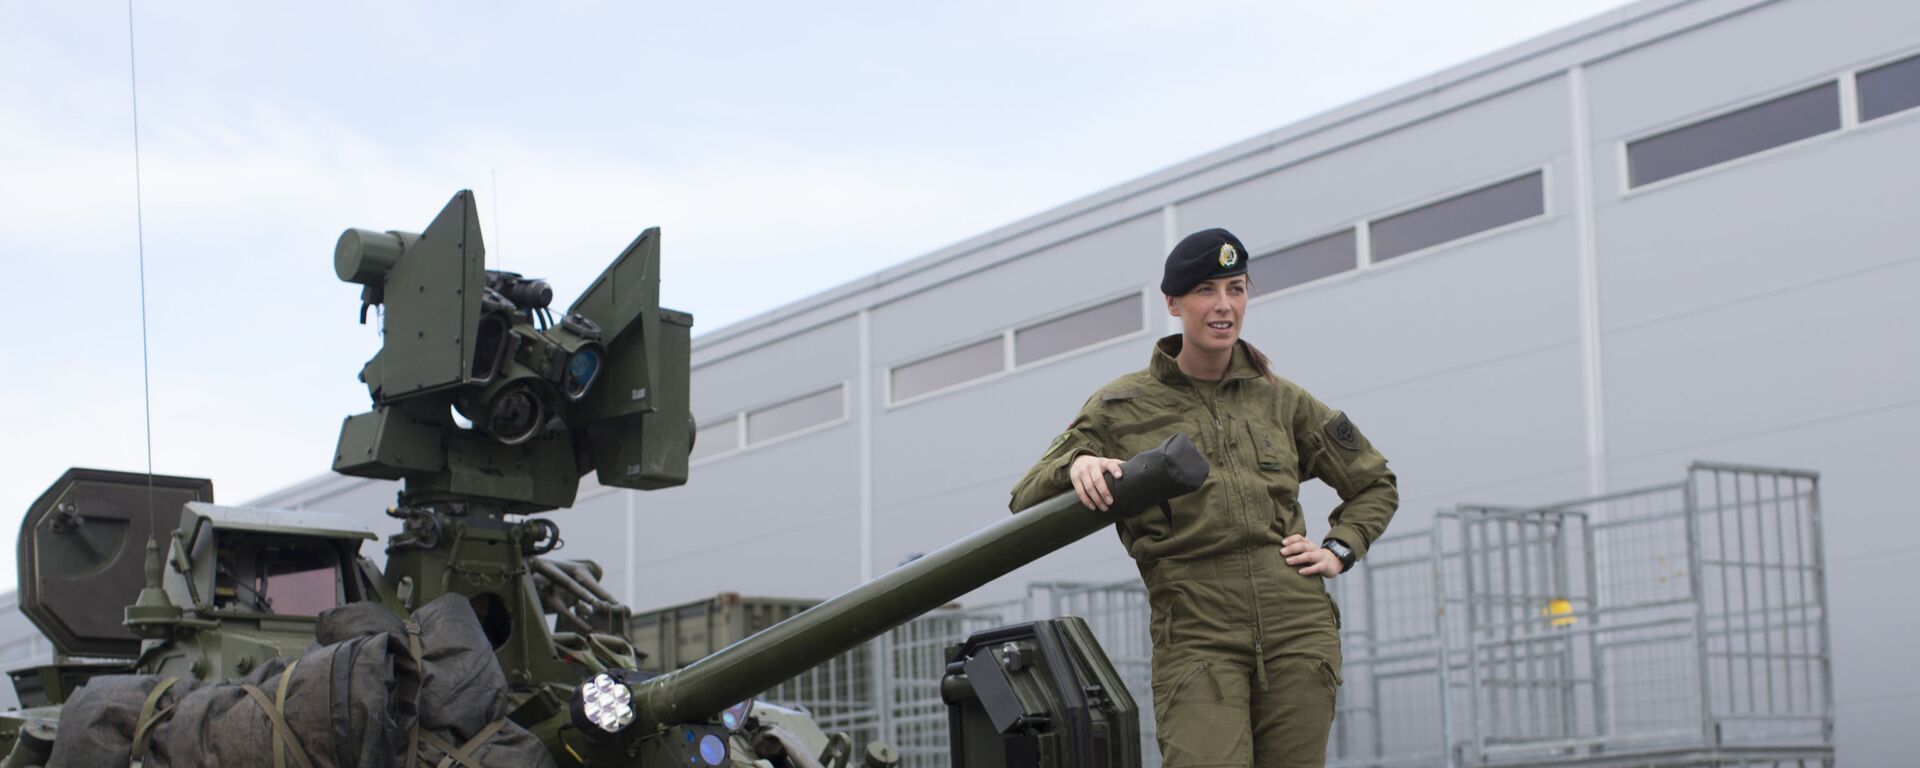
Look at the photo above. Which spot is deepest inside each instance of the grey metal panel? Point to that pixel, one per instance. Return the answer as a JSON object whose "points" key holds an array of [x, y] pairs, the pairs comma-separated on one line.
{"points": [[777, 520], [1874, 686], [1811, 212], [1773, 47], [1463, 434], [1816, 353], [767, 375], [1452, 152], [1426, 314], [1101, 264]]}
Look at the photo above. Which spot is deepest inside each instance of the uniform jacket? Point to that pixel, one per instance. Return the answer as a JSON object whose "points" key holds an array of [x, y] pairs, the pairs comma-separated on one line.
{"points": [[1264, 437]]}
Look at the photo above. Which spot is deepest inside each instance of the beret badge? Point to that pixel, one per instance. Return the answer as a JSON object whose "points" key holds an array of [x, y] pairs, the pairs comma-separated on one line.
{"points": [[1228, 256]]}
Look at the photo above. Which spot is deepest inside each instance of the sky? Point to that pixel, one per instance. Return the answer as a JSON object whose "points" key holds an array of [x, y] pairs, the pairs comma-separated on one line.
{"points": [[783, 148]]}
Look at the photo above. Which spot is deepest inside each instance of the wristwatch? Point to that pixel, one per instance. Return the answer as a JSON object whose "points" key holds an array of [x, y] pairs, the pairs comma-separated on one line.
{"points": [[1342, 551]]}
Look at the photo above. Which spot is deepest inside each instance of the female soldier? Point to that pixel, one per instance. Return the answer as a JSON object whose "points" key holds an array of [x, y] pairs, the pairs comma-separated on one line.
{"points": [[1246, 644]]}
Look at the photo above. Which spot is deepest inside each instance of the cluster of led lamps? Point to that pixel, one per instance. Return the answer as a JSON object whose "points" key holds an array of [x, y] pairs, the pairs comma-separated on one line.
{"points": [[607, 703]]}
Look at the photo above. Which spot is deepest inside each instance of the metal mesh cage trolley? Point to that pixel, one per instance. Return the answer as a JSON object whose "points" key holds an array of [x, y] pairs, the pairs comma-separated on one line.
{"points": [[1682, 624]]}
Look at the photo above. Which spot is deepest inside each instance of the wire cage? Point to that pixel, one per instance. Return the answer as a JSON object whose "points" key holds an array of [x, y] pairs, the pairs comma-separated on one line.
{"points": [[1681, 624]]}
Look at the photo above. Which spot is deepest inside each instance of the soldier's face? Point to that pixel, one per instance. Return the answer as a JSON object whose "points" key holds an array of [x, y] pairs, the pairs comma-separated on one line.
{"points": [[1211, 313]]}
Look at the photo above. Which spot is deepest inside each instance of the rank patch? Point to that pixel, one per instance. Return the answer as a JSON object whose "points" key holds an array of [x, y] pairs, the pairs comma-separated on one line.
{"points": [[1342, 432]]}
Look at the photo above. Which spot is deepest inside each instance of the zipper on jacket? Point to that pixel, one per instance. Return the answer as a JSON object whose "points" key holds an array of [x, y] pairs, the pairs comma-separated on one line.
{"points": [[1233, 491], [1252, 539]]}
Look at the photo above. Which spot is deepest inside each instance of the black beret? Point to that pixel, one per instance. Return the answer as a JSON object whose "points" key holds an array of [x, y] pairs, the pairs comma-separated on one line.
{"points": [[1203, 256]]}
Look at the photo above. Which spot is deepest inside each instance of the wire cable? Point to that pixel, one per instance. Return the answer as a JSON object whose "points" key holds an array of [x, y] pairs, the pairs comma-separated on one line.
{"points": [[140, 239]]}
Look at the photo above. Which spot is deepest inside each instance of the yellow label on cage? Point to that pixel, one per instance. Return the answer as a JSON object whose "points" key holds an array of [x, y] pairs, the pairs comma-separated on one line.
{"points": [[1559, 612]]}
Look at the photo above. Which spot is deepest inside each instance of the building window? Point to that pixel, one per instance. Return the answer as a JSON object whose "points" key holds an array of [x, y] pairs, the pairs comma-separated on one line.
{"points": [[716, 438], [1081, 329], [1302, 263], [945, 370], [1736, 134], [1891, 88], [794, 415], [1457, 217]]}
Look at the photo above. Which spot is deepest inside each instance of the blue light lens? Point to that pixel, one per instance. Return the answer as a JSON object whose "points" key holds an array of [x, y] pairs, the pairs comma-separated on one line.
{"points": [[712, 749], [581, 368], [583, 364]]}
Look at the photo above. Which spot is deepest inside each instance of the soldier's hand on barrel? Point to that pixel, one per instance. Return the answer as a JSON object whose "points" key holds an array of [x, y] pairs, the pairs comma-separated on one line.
{"points": [[1089, 476], [1301, 551]]}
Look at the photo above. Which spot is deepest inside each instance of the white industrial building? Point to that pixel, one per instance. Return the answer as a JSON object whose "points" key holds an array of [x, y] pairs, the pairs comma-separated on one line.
{"points": [[1682, 230]]}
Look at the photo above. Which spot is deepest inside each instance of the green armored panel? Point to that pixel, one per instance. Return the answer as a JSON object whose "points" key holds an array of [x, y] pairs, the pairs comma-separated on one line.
{"points": [[625, 302], [649, 450], [432, 298], [82, 553], [386, 444], [541, 473]]}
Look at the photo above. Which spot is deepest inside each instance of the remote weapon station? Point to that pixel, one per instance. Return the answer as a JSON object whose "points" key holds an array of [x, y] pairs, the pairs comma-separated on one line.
{"points": [[182, 629]]}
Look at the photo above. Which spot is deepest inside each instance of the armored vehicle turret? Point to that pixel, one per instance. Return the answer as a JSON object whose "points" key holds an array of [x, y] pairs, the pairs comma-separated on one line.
{"points": [[488, 406]]}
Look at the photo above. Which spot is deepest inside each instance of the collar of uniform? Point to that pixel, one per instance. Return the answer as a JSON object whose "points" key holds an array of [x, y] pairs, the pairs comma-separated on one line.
{"points": [[1167, 370]]}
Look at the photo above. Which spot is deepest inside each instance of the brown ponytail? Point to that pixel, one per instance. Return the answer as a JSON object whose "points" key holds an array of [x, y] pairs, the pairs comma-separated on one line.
{"points": [[1259, 361]]}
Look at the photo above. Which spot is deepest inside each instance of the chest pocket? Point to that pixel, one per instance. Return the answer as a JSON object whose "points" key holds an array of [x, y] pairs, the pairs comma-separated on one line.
{"points": [[1276, 464], [1273, 453]]}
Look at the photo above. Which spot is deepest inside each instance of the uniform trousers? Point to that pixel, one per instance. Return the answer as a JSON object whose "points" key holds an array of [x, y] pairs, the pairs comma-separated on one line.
{"points": [[1246, 661]]}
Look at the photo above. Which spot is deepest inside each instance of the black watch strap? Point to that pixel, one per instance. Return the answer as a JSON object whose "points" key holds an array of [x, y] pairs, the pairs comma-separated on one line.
{"points": [[1342, 551]]}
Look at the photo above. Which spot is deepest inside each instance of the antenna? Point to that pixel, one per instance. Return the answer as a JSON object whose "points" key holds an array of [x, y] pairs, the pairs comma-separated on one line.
{"points": [[499, 243], [140, 238]]}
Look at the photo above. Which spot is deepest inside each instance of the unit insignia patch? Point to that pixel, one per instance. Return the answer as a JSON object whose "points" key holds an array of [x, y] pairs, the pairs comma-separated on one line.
{"points": [[1342, 432]]}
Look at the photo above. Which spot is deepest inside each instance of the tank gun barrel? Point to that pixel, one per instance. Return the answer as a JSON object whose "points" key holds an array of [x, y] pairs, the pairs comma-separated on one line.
{"points": [[787, 649]]}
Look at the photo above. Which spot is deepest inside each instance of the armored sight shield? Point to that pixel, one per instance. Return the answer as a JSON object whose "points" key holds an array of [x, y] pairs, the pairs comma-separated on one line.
{"points": [[86, 537], [602, 388]]}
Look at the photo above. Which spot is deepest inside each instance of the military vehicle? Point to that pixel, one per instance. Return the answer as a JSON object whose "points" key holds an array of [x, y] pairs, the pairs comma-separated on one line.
{"points": [[489, 407]]}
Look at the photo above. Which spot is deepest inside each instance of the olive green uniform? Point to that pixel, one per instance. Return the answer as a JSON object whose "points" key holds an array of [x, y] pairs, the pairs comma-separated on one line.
{"points": [[1246, 651]]}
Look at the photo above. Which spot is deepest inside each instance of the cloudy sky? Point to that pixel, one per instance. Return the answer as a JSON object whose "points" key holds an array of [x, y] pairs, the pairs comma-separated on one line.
{"points": [[784, 148]]}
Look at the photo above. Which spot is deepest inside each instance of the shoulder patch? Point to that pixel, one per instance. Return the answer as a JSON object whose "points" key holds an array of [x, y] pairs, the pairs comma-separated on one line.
{"points": [[1343, 433], [1119, 395]]}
